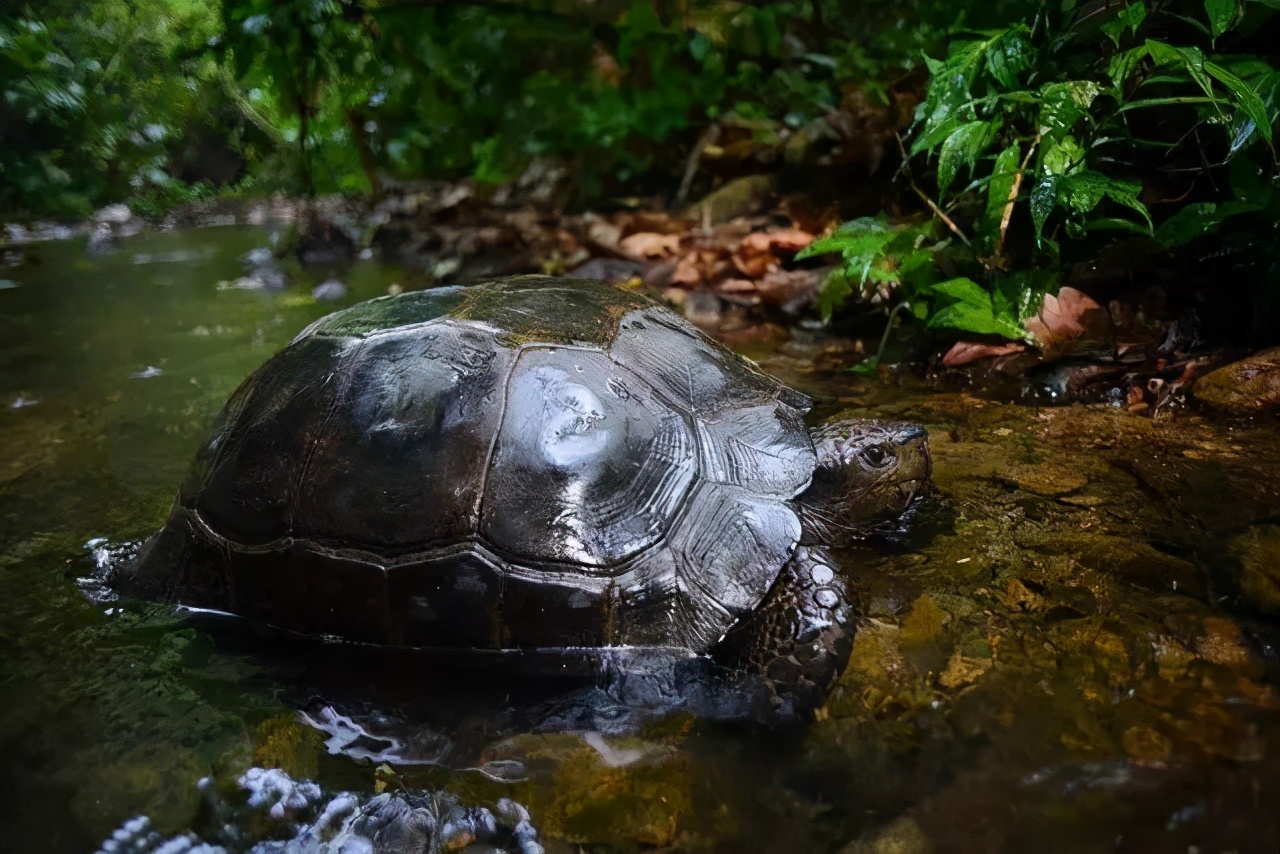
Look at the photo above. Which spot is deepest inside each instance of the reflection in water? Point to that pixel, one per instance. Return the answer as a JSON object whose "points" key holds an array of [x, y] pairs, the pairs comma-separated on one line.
{"points": [[1076, 650]]}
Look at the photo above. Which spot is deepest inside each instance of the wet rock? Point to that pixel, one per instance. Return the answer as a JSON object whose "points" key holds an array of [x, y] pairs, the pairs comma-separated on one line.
{"points": [[702, 309], [113, 215], [1133, 561], [739, 197], [324, 241], [329, 291], [900, 836], [1146, 744], [261, 256], [1248, 387], [101, 241], [1258, 552]]}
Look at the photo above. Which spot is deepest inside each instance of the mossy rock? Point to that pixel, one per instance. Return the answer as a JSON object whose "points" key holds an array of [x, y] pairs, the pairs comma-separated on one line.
{"points": [[1248, 387]]}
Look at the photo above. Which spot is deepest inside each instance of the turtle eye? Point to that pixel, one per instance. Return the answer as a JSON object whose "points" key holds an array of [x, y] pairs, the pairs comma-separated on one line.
{"points": [[876, 456]]}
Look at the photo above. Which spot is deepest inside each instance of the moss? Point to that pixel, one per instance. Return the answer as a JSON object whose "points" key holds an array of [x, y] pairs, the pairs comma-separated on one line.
{"points": [[285, 742]]}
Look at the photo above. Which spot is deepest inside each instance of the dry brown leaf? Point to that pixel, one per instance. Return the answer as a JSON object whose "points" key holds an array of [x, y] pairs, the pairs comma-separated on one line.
{"points": [[755, 266], [605, 235], [965, 352], [707, 265], [739, 291], [776, 240], [687, 271], [650, 244], [1064, 318]]}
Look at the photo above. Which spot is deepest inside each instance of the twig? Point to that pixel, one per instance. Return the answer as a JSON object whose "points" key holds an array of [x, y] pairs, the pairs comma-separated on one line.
{"points": [[709, 137], [937, 211], [1007, 214]]}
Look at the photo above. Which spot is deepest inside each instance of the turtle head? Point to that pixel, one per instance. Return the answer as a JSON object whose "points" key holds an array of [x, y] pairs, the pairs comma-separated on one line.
{"points": [[869, 478]]}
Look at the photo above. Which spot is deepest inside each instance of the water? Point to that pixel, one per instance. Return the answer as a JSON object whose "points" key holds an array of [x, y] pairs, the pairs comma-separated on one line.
{"points": [[1075, 651]]}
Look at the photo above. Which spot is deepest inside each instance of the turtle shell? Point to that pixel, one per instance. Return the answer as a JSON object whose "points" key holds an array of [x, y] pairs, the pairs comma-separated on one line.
{"points": [[525, 463]]}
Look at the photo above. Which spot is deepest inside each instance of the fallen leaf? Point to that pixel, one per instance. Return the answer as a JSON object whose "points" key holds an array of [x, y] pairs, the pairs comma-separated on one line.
{"points": [[1064, 318], [605, 235], [775, 240], [687, 272], [755, 266], [649, 244], [965, 352], [700, 265], [739, 292]]}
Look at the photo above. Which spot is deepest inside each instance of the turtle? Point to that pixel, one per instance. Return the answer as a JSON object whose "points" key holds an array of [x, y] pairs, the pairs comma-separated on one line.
{"points": [[533, 464]]}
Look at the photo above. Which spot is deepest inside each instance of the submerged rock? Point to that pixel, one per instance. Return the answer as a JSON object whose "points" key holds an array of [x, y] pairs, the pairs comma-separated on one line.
{"points": [[1258, 551]]}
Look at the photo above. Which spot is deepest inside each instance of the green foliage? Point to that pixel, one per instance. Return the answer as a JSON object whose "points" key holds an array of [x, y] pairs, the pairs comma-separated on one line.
{"points": [[95, 96], [886, 263], [1073, 121]]}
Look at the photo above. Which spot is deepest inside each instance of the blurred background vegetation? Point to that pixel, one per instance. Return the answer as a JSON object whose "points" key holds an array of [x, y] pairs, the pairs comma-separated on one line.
{"points": [[1022, 136]]}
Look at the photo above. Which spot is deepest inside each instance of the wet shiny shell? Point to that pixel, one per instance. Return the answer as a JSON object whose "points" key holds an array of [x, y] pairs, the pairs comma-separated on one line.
{"points": [[526, 463]]}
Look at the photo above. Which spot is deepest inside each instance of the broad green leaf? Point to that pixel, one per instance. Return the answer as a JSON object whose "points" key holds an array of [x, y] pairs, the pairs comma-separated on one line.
{"points": [[1123, 64], [1080, 192], [1063, 156], [1129, 16], [1009, 54], [1063, 104], [963, 147], [947, 99], [1002, 178], [1222, 14], [1197, 220], [1044, 195], [971, 310], [963, 290], [1190, 58], [1244, 95]]}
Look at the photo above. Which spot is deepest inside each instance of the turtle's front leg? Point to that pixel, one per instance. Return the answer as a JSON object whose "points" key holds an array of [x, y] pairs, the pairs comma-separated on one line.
{"points": [[800, 637]]}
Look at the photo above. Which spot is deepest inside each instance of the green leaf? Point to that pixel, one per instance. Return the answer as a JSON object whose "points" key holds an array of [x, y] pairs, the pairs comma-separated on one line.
{"points": [[1059, 158], [1222, 14], [1044, 196], [1009, 54], [867, 365], [963, 147], [1245, 96], [1190, 58], [1080, 192], [832, 293], [1123, 64], [1003, 176], [972, 310], [1063, 104], [1129, 16], [1197, 220]]}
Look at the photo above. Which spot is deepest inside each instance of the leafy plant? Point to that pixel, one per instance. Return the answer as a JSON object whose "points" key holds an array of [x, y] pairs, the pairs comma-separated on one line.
{"points": [[95, 97], [1070, 121]]}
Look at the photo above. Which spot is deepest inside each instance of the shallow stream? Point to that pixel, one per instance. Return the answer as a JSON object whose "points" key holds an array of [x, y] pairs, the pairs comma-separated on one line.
{"points": [[1077, 650]]}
